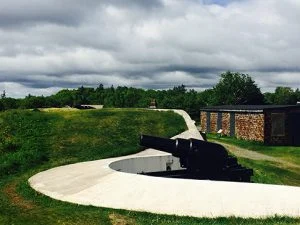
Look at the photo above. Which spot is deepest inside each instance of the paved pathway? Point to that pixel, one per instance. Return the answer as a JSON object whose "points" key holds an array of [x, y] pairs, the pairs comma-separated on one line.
{"points": [[95, 183]]}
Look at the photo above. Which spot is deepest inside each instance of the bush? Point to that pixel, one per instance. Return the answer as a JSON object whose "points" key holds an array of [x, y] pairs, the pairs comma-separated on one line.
{"points": [[22, 140], [10, 145], [2, 108]]}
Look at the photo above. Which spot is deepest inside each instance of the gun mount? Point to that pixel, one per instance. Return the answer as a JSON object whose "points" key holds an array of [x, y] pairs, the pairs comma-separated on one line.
{"points": [[201, 159]]}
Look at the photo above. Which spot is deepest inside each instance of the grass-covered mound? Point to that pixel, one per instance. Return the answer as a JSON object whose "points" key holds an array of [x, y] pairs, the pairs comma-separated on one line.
{"points": [[32, 138], [32, 141]]}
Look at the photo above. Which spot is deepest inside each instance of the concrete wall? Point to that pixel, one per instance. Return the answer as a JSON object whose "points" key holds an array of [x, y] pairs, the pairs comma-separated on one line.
{"points": [[146, 164]]}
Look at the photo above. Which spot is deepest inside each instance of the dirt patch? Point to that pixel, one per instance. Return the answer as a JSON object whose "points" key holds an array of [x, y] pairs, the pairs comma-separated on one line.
{"points": [[16, 199], [58, 109], [117, 219], [244, 153]]}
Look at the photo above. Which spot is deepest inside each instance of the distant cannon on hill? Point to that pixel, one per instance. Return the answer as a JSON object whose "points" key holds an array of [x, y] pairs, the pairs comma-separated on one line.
{"points": [[88, 106]]}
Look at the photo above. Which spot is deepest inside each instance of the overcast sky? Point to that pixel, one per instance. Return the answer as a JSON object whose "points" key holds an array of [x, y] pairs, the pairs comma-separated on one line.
{"points": [[47, 45]]}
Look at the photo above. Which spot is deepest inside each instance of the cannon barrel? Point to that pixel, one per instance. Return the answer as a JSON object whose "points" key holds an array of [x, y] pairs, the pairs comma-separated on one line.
{"points": [[159, 143], [177, 147]]}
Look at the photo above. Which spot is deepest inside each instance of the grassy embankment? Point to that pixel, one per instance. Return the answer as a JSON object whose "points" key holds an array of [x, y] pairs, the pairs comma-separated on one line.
{"points": [[34, 141], [281, 166]]}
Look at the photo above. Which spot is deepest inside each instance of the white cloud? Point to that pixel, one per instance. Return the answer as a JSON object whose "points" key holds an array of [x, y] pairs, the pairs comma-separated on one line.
{"points": [[155, 44], [17, 90]]}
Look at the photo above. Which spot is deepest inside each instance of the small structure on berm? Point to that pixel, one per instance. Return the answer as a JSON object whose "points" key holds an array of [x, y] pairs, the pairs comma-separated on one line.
{"points": [[153, 104]]}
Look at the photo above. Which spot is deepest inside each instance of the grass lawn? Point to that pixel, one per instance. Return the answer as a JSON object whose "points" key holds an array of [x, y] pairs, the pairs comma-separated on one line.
{"points": [[284, 169], [35, 141], [289, 153]]}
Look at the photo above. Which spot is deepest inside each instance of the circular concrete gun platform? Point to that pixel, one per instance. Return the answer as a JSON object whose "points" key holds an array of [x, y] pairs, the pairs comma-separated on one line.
{"points": [[114, 183]]}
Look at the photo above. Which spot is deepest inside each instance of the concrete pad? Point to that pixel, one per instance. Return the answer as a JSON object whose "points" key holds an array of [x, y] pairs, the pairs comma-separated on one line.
{"points": [[98, 183]]}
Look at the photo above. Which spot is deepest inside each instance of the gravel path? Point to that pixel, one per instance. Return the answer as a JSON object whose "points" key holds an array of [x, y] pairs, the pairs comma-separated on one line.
{"points": [[245, 153]]}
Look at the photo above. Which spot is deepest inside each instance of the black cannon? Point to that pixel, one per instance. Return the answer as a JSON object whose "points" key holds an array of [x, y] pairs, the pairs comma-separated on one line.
{"points": [[201, 159]]}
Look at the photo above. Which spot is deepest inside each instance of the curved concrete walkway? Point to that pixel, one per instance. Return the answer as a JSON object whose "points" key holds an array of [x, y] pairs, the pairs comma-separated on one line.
{"points": [[96, 183]]}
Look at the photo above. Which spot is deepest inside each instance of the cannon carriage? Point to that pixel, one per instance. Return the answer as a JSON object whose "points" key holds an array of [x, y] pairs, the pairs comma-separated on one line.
{"points": [[199, 159]]}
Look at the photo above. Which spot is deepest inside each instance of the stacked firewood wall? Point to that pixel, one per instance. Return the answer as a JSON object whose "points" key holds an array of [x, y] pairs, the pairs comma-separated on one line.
{"points": [[248, 126]]}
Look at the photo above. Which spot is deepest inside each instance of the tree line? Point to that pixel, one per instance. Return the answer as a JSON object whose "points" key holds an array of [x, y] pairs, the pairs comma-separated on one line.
{"points": [[233, 88]]}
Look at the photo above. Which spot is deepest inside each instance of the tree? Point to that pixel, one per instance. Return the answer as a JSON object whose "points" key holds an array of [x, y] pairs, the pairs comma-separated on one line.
{"points": [[109, 97], [269, 98], [2, 108], [285, 96], [207, 97], [3, 95], [64, 97], [192, 103], [173, 98], [297, 94], [31, 102], [11, 103], [237, 89], [99, 95]]}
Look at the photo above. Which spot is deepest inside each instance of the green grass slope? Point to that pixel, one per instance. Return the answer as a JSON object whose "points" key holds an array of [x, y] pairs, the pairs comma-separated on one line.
{"points": [[32, 141], [32, 138]]}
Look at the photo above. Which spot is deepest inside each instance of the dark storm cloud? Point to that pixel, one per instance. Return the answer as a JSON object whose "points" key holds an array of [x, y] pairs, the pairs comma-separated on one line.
{"points": [[278, 70], [140, 3], [30, 12], [51, 44], [220, 2], [65, 12]]}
